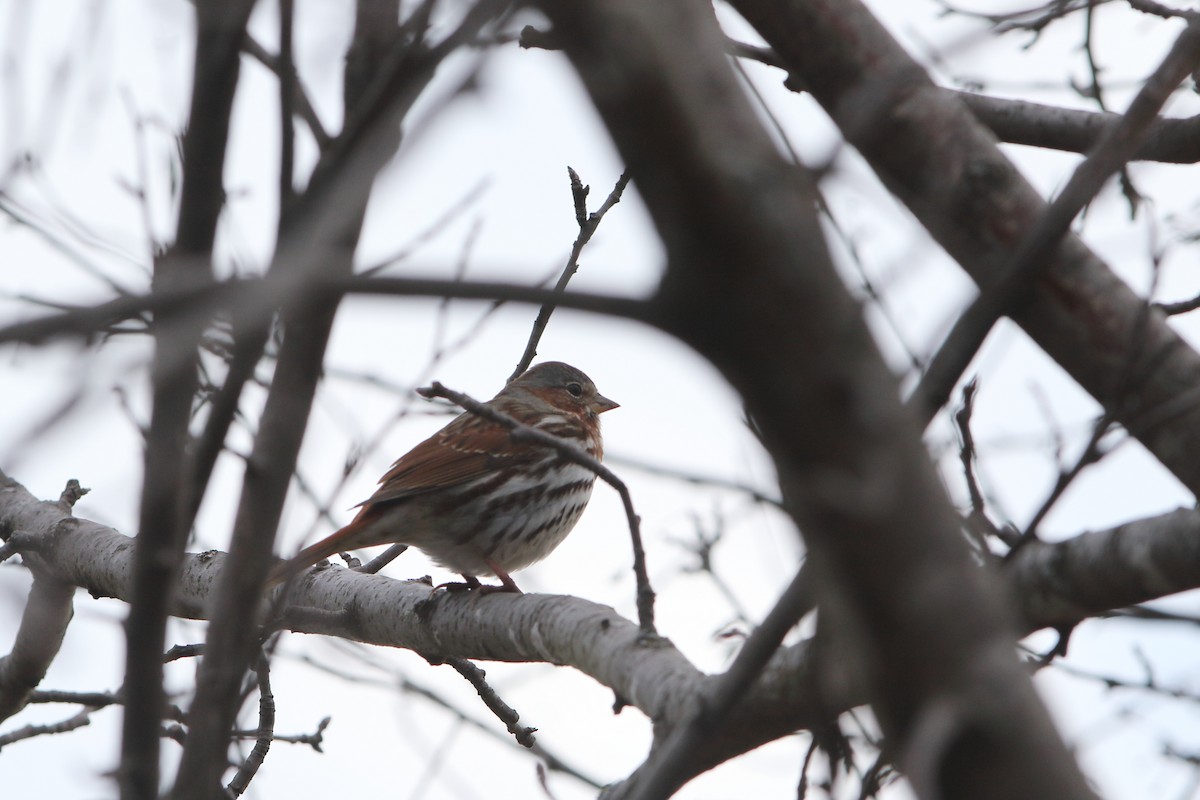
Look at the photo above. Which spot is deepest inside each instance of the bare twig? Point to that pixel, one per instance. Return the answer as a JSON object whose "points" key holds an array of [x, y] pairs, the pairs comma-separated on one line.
{"points": [[588, 223], [313, 740], [406, 684], [383, 559], [79, 720], [1092, 453], [92, 699], [966, 451], [503, 711], [978, 524], [265, 733], [183, 651], [1181, 307], [1160, 10], [574, 454], [299, 97]]}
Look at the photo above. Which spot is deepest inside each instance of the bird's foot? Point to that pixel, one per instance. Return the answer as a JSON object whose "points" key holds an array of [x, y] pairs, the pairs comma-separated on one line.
{"points": [[471, 584]]}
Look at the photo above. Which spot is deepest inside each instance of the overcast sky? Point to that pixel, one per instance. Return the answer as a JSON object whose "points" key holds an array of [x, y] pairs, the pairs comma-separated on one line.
{"points": [[94, 94]]}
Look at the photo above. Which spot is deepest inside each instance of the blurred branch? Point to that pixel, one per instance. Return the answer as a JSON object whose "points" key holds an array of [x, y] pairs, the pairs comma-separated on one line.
{"points": [[230, 643], [260, 295], [289, 89], [387, 69], [396, 679], [944, 165], [47, 613], [1181, 307], [1166, 12], [265, 733], [1009, 286], [317, 232], [163, 519], [286, 71], [1166, 139], [80, 719], [853, 473], [1062, 583], [757, 495]]}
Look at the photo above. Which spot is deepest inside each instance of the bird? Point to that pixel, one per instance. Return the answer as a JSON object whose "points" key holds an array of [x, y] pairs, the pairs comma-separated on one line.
{"points": [[475, 500]]}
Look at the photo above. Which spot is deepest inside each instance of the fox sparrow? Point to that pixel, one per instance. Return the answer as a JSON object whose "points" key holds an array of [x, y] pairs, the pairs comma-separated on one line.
{"points": [[474, 500]]}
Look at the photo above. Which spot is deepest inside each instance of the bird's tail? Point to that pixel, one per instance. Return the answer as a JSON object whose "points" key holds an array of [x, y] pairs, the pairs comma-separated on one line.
{"points": [[329, 546]]}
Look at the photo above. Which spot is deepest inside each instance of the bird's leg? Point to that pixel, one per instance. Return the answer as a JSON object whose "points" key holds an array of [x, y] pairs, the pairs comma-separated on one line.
{"points": [[509, 585]]}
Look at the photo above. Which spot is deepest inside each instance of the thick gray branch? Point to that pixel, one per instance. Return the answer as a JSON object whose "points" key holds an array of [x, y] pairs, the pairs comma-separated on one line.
{"points": [[1062, 583], [43, 625], [1053, 584], [1077, 131]]}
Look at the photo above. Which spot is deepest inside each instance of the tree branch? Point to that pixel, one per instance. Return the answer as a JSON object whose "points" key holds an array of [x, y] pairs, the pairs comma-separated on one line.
{"points": [[1009, 287], [166, 492], [588, 223], [262, 295], [939, 160], [751, 286], [386, 71], [1053, 584], [48, 611]]}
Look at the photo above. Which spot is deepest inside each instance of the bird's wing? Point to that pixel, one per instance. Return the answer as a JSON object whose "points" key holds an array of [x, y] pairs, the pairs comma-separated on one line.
{"points": [[470, 447]]}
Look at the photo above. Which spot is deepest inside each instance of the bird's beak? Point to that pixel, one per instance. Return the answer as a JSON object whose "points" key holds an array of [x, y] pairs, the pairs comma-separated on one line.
{"points": [[600, 404]]}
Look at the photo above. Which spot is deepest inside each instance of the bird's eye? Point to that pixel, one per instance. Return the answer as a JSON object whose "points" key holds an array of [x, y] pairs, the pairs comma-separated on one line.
{"points": [[575, 389]]}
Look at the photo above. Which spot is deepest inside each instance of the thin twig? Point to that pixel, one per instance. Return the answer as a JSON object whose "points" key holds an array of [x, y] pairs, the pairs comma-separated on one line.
{"points": [[573, 453], [966, 451], [1092, 453], [79, 720], [1181, 307], [503, 711], [265, 733], [398, 680], [313, 740], [305, 108], [1160, 10], [588, 223], [383, 559], [977, 523], [183, 651]]}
